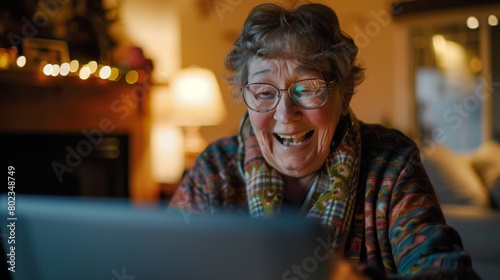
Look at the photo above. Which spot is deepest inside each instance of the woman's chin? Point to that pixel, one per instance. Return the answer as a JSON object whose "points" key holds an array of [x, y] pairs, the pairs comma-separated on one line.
{"points": [[295, 167]]}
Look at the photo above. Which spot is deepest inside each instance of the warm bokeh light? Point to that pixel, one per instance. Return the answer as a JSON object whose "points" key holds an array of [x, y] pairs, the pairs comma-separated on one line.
{"points": [[476, 65], [472, 22], [132, 77], [73, 66], [84, 72], [115, 74], [439, 42], [105, 72], [4, 59], [168, 159], [64, 71], [47, 69], [21, 61], [492, 20], [55, 70], [450, 55], [92, 66]]}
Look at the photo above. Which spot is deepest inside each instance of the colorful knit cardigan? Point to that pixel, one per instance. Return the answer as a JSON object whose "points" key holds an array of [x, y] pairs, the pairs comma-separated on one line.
{"points": [[398, 226]]}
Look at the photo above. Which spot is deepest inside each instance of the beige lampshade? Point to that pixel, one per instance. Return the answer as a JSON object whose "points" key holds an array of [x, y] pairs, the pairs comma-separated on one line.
{"points": [[196, 99]]}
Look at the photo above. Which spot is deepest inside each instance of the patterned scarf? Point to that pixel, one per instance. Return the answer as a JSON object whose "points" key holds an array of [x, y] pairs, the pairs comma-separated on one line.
{"points": [[332, 203]]}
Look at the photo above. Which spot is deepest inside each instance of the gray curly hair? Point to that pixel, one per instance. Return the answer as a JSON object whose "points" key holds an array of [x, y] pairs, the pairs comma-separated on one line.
{"points": [[309, 33]]}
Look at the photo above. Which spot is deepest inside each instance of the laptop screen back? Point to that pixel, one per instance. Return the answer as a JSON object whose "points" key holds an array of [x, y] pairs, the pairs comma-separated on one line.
{"points": [[75, 238]]}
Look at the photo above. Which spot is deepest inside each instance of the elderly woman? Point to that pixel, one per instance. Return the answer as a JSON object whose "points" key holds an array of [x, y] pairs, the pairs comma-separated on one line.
{"points": [[301, 147]]}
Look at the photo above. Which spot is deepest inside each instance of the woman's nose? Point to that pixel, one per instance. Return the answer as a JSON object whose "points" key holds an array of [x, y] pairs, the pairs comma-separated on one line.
{"points": [[286, 110]]}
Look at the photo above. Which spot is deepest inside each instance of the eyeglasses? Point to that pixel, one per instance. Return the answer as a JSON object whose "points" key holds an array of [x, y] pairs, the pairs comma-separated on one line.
{"points": [[307, 94]]}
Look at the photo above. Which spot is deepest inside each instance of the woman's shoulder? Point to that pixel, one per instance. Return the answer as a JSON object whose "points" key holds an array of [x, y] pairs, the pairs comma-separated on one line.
{"points": [[218, 155], [388, 147], [376, 136], [225, 146], [218, 162]]}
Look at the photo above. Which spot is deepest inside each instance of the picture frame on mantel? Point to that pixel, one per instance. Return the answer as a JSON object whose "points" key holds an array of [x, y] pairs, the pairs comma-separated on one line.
{"points": [[38, 50]]}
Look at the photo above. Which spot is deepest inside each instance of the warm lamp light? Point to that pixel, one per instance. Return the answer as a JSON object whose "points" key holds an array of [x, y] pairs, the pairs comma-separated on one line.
{"points": [[196, 101], [196, 98], [168, 157]]}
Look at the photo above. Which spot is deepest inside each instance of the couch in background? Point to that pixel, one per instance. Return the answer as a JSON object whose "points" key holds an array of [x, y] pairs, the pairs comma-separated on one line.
{"points": [[468, 188]]}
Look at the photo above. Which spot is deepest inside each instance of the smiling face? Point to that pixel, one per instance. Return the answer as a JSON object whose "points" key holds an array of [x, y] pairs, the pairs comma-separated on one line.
{"points": [[293, 140]]}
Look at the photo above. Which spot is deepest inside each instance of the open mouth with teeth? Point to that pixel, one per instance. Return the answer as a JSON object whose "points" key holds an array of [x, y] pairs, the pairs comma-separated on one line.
{"points": [[295, 139]]}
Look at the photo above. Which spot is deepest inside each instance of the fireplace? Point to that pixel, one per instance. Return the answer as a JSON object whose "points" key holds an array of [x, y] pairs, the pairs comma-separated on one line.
{"points": [[85, 164], [53, 126]]}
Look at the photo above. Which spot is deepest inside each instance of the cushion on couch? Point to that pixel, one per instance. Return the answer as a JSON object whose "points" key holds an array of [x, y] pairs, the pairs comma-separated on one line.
{"points": [[486, 162], [453, 177]]}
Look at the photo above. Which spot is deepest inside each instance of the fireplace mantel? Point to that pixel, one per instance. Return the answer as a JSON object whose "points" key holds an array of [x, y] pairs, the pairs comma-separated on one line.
{"points": [[32, 102]]}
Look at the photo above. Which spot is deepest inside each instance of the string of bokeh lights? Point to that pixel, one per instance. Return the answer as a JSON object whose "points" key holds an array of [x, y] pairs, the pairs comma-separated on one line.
{"points": [[83, 71]]}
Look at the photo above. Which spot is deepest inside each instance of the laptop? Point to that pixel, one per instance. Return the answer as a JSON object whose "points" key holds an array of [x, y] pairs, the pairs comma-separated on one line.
{"points": [[90, 238]]}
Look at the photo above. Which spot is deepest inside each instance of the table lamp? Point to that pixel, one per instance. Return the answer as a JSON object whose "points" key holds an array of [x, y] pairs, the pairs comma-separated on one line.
{"points": [[196, 100]]}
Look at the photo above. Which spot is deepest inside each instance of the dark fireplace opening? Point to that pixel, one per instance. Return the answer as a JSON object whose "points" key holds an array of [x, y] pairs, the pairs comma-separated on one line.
{"points": [[87, 164]]}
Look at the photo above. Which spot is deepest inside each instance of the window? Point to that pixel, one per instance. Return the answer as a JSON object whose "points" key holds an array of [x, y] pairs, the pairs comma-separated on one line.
{"points": [[456, 77]]}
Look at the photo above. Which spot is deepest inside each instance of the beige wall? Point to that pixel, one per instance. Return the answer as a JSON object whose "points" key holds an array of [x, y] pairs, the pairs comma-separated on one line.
{"points": [[381, 98]]}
